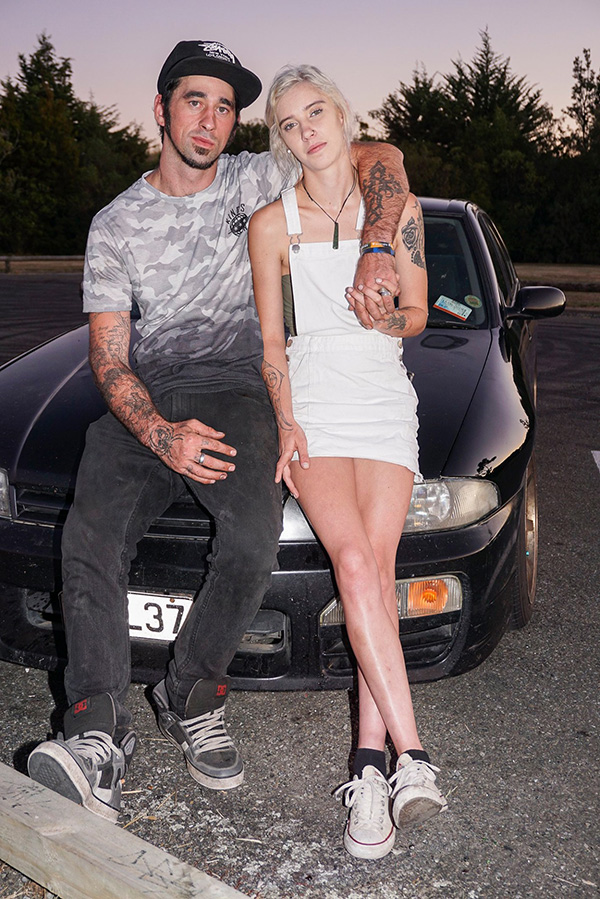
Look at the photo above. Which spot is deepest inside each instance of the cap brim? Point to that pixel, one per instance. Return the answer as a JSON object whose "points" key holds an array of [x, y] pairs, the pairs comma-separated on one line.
{"points": [[245, 83]]}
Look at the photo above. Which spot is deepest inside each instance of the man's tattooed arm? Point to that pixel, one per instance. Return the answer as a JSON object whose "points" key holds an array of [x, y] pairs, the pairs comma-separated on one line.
{"points": [[273, 379], [125, 395], [384, 187]]}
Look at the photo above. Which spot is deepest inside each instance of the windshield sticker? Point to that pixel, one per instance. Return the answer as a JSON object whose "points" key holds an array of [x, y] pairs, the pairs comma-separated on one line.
{"points": [[452, 307], [473, 302]]}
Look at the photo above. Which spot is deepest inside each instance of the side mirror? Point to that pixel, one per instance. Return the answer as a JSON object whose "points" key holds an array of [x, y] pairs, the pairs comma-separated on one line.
{"points": [[537, 302]]}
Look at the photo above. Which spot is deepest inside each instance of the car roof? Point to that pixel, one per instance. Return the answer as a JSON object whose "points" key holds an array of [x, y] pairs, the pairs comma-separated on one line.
{"points": [[445, 207]]}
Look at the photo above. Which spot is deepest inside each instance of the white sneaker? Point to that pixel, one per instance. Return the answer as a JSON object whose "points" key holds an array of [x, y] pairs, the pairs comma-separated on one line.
{"points": [[415, 797], [369, 832]]}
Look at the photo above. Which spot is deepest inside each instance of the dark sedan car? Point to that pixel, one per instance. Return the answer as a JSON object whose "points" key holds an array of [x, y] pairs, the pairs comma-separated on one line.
{"points": [[466, 565]]}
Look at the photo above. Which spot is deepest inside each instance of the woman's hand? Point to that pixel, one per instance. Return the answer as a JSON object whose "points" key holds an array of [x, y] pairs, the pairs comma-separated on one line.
{"points": [[291, 441], [370, 305]]}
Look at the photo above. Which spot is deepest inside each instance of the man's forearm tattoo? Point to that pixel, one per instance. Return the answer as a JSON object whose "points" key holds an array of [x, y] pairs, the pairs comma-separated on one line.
{"points": [[273, 379], [125, 395], [379, 185], [413, 237]]}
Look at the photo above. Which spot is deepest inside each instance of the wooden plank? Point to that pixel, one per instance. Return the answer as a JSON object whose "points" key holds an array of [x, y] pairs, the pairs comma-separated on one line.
{"points": [[78, 855]]}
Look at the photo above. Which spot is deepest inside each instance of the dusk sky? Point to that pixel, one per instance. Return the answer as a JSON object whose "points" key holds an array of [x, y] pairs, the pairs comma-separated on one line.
{"points": [[118, 46]]}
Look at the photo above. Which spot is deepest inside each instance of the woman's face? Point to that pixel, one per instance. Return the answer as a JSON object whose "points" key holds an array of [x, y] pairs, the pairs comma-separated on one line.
{"points": [[311, 125]]}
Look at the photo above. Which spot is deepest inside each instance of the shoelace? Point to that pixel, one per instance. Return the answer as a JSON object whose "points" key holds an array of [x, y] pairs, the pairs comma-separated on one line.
{"points": [[95, 747], [208, 732], [416, 772], [352, 791]]}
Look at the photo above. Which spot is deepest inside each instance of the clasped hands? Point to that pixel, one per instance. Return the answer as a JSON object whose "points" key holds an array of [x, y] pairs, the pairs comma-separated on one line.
{"points": [[376, 285]]}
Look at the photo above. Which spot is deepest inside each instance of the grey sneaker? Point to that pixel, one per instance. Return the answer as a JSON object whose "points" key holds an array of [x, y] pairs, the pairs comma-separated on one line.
{"points": [[210, 754], [415, 797], [369, 832], [85, 764]]}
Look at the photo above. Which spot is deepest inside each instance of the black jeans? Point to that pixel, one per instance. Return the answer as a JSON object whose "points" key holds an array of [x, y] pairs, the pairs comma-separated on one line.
{"points": [[121, 488]]}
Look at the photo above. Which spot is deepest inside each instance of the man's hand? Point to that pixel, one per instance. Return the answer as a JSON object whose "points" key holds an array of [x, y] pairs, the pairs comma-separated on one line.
{"points": [[183, 446], [372, 266], [373, 304]]}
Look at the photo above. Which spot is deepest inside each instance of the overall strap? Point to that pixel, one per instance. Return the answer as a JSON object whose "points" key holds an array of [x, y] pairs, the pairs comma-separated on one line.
{"points": [[290, 207], [360, 219]]}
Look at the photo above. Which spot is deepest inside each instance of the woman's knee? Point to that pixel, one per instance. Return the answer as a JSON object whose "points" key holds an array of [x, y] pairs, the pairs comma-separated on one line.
{"points": [[354, 567]]}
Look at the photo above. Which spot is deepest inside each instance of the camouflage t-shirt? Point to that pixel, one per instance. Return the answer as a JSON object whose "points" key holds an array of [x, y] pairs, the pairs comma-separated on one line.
{"points": [[184, 260]]}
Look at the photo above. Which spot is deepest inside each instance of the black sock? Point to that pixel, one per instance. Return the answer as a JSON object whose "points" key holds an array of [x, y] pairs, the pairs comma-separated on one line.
{"points": [[363, 757], [418, 755]]}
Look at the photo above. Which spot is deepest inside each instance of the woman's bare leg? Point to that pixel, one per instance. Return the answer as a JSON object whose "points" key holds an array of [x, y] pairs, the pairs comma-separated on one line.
{"points": [[344, 499], [383, 492]]}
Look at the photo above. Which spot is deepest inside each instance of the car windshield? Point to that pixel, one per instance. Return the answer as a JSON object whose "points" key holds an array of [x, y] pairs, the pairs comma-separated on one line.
{"points": [[454, 291]]}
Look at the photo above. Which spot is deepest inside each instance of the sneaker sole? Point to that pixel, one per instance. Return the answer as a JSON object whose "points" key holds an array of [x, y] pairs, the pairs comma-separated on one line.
{"points": [[417, 811], [201, 777], [369, 850], [55, 769]]}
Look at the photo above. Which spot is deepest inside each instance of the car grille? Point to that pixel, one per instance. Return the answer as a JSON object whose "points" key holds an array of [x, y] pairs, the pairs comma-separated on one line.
{"points": [[426, 641], [48, 506]]}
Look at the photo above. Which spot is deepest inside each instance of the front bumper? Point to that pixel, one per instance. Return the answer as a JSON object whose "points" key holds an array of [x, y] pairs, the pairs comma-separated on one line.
{"points": [[286, 648]]}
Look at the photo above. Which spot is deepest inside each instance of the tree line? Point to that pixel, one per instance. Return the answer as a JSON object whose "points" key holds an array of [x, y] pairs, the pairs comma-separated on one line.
{"points": [[481, 132]]}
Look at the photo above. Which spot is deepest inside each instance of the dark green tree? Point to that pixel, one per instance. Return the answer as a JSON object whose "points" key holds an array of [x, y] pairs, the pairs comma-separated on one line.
{"points": [[61, 159], [585, 105], [477, 132], [252, 136]]}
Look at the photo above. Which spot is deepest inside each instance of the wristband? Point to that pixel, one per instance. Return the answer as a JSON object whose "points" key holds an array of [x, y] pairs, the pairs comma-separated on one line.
{"points": [[377, 246]]}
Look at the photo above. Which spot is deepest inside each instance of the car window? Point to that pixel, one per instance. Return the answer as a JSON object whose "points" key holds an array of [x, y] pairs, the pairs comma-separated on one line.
{"points": [[455, 296], [505, 273]]}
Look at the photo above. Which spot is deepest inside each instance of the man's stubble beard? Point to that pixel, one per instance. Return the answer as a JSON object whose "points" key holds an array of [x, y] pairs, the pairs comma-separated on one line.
{"points": [[192, 162]]}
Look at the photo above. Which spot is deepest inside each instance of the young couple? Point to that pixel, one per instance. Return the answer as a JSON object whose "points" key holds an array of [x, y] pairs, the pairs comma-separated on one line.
{"points": [[191, 415]]}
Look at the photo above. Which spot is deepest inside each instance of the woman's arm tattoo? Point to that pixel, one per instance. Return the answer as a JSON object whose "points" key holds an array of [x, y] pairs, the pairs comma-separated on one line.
{"points": [[413, 237], [396, 321], [273, 378]]}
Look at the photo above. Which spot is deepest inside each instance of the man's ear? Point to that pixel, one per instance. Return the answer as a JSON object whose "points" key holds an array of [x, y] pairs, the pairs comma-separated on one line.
{"points": [[159, 112]]}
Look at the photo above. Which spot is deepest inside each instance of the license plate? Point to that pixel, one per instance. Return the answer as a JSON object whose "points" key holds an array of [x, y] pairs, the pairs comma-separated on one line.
{"points": [[157, 616]]}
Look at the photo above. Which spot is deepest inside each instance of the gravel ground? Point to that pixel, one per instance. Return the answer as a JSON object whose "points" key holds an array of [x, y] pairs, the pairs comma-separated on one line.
{"points": [[516, 739]]}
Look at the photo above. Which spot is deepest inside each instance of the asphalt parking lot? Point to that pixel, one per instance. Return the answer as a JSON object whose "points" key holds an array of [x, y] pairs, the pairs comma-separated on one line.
{"points": [[516, 739]]}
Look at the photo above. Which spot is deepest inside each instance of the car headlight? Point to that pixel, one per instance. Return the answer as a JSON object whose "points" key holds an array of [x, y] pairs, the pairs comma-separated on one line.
{"points": [[437, 505], [4, 495], [450, 503]]}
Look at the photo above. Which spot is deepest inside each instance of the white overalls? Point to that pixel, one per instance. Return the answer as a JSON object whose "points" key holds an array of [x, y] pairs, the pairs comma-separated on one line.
{"points": [[350, 390]]}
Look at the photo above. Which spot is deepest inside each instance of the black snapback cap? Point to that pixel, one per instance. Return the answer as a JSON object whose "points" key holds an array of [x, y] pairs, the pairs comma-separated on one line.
{"points": [[213, 59]]}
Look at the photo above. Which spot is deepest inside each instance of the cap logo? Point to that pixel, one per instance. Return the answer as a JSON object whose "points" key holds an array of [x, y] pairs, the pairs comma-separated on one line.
{"points": [[217, 51]]}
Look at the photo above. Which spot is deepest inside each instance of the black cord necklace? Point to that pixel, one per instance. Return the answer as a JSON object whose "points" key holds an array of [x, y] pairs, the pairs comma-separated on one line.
{"points": [[336, 230]]}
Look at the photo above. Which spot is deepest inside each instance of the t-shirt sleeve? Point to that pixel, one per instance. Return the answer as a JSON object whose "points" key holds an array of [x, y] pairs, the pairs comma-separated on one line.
{"points": [[106, 281], [261, 169]]}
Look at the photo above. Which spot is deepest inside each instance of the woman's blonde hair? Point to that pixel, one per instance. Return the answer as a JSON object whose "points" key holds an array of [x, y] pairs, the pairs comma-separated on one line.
{"points": [[283, 81]]}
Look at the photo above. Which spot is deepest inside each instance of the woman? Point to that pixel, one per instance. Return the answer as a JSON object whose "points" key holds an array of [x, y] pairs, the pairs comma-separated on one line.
{"points": [[346, 413]]}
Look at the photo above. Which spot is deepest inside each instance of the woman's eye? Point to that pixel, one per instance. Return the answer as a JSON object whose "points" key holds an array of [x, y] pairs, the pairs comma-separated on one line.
{"points": [[316, 111], [288, 126]]}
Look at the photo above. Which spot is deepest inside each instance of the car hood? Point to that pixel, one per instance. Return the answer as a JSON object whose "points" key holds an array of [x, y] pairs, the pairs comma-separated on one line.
{"points": [[49, 399], [447, 365]]}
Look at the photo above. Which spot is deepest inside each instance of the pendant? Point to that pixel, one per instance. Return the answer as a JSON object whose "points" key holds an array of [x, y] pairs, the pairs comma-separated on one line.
{"points": [[336, 235]]}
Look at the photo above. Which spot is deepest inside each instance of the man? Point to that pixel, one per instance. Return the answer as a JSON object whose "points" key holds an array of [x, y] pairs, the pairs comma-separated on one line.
{"points": [[191, 415]]}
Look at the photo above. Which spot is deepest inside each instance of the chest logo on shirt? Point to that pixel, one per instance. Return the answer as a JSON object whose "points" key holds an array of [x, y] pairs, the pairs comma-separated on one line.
{"points": [[237, 220]]}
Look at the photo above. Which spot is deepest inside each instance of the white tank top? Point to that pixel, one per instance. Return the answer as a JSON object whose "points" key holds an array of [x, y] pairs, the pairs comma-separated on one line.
{"points": [[319, 276]]}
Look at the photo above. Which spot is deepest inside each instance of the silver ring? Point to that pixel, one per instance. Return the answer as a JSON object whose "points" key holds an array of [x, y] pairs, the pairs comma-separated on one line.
{"points": [[201, 459], [384, 292]]}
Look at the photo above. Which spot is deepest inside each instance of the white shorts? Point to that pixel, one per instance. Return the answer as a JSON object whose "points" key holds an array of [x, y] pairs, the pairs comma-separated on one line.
{"points": [[353, 398]]}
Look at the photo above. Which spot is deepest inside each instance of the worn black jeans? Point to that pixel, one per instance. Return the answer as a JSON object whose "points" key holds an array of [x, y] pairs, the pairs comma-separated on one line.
{"points": [[121, 488]]}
